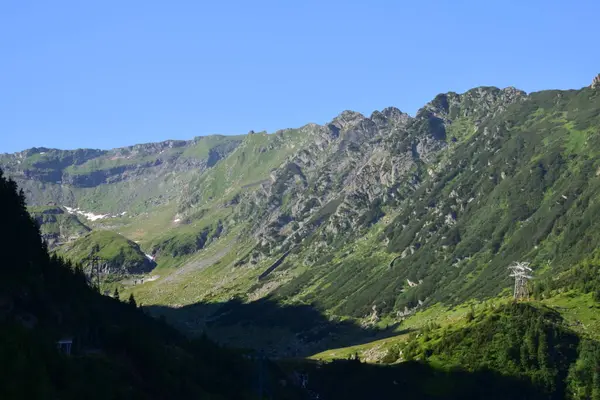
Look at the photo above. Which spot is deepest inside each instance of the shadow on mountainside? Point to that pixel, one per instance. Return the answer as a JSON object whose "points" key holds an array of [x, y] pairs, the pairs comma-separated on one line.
{"points": [[264, 325], [351, 379], [286, 333]]}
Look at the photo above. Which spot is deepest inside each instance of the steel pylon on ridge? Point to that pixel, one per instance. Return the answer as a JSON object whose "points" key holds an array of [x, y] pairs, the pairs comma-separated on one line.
{"points": [[520, 271]]}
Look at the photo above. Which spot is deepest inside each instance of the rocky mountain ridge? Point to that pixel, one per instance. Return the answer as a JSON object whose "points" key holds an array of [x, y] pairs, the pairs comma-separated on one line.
{"points": [[357, 164], [388, 212], [67, 177]]}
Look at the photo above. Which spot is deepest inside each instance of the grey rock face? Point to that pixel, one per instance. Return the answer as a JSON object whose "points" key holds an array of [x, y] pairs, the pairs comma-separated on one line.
{"points": [[354, 165], [596, 82]]}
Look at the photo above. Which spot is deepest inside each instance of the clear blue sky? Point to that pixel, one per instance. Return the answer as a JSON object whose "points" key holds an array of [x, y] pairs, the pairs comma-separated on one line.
{"points": [[111, 73]]}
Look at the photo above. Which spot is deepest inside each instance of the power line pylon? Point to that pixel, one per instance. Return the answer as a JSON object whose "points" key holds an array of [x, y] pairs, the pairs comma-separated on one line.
{"points": [[94, 261], [521, 272]]}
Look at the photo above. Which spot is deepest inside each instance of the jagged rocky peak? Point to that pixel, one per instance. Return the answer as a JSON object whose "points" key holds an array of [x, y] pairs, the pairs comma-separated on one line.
{"points": [[347, 119], [476, 102], [35, 150], [488, 100], [596, 82], [393, 113], [512, 91], [390, 116]]}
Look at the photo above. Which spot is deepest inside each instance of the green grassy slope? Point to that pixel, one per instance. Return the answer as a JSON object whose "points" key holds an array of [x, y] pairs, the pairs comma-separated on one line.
{"points": [[519, 340], [525, 341], [133, 179], [57, 225], [118, 254], [246, 167], [515, 190]]}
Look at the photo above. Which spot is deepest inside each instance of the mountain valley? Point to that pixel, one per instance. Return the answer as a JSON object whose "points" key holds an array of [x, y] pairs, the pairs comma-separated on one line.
{"points": [[385, 238]]}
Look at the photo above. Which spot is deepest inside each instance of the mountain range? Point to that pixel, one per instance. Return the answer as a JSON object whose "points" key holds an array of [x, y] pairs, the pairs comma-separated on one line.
{"points": [[313, 253], [372, 219]]}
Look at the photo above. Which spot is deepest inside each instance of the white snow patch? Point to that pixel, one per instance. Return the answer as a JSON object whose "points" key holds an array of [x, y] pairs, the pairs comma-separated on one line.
{"points": [[93, 217], [89, 215], [177, 220], [149, 257]]}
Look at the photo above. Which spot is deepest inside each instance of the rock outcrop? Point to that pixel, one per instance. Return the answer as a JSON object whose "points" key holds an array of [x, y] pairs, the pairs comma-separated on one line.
{"points": [[57, 226], [353, 166], [596, 82]]}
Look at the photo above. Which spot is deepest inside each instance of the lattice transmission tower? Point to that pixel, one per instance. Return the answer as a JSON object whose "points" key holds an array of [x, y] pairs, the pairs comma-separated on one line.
{"points": [[521, 272], [95, 264]]}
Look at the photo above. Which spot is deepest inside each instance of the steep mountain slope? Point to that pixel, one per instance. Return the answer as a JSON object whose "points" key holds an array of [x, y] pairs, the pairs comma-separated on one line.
{"points": [[117, 255], [451, 196], [57, 225], [506, 189], [501, 186], [364, 217]]}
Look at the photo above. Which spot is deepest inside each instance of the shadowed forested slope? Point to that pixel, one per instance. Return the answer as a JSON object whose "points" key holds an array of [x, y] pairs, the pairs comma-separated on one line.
{"points": [[118, 351]]}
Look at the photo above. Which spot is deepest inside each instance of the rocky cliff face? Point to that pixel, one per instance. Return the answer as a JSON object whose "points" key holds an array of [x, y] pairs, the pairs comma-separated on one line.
{"points": [[596, 82], [353, 166]]}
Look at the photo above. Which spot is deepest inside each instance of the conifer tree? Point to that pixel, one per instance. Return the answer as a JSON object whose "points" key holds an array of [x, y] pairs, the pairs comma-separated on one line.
{"points": [[131, 300], [542, 356]]}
